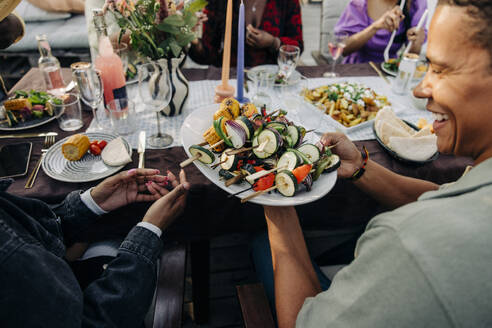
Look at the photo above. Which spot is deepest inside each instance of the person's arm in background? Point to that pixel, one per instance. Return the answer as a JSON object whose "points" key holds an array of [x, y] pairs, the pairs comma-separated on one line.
{"points": [[418, 37], [387, 187], [291, 34], [294, 275], [390, 21]]}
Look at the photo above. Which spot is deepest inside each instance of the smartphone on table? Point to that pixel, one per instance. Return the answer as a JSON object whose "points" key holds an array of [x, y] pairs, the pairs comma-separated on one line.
{"points": [[14, 159]]}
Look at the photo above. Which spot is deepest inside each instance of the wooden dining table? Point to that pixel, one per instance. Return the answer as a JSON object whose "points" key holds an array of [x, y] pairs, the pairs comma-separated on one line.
{"points": [[209, 211]]}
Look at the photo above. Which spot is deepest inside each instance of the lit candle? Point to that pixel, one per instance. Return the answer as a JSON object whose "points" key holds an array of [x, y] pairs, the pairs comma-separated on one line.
{"points": [[240, 54], [226, 59]]}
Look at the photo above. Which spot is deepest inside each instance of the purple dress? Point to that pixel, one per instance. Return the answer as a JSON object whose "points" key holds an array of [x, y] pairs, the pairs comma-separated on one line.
{"points": [[355, 19]]}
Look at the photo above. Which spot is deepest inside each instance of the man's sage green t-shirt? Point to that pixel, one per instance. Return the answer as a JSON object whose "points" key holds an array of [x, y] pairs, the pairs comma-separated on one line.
{"points": [[426, 264]]}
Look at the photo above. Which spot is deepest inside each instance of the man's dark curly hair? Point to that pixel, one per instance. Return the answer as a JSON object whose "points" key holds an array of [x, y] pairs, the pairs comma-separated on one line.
{"points": [[481, 13]]}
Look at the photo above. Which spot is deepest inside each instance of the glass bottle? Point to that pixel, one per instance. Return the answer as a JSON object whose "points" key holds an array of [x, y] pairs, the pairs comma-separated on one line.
{"points": [[49, 67], [108, 62]]}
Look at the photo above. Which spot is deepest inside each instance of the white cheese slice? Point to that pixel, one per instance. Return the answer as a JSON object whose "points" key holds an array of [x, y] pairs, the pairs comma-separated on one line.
{"points": [[417, 149], [115, 153]]}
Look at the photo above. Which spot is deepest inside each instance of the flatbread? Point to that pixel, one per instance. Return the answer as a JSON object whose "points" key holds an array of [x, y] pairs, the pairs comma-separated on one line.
{"points": [[414, 148], [425, 131], [115, 153], [387, 130], [388, 115]]}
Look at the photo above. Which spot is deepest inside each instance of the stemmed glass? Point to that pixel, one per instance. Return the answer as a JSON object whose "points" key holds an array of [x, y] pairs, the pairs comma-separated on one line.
{"points": [[91, 89], [155, 91], [288, 56], [336, 44]]}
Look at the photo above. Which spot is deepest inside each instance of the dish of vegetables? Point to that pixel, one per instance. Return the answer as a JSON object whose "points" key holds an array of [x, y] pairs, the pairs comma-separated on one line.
{"points": [[248, 151], [349, 104], [26, 110]]}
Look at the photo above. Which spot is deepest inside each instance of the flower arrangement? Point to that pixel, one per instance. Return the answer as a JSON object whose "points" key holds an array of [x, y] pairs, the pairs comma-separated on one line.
{"points": [[158, 28]]}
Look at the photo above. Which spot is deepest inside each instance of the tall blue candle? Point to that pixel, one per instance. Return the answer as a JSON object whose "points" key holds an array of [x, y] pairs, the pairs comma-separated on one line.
{"points": [[240, 54]]}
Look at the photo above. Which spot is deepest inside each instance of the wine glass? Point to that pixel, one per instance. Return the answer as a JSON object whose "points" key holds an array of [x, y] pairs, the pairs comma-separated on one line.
{"points": [[155, 91], [288, 56], [91, 89], [336, 44]]}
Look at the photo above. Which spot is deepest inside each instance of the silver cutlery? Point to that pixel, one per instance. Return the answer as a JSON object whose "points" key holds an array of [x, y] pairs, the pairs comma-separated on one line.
{"points": [[141, 149], [29, 135], [48, 142]]}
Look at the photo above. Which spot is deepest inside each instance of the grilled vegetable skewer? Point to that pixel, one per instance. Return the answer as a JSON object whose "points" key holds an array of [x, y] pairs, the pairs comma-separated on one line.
{"points": [[258, 193], [199, 153]]}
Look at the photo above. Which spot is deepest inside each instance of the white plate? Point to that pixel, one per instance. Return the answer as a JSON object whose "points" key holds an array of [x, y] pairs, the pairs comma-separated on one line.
{"points": [[88, 168], [337, 125], [294, 78], [191, 133], [26, 125]]}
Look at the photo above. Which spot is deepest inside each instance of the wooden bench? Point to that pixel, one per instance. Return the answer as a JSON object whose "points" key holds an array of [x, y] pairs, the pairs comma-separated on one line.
{"points": [[254, 306]]}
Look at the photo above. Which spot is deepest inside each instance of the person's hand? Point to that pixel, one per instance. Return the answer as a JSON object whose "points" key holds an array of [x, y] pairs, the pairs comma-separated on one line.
{"points": [[350, 156], [417, 36], [171, 204], [260, 39], [390, 20], [127, 187]]}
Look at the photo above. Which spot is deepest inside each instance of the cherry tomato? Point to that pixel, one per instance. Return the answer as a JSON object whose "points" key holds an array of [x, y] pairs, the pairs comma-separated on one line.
{"points": [[101, 144], [94, 142], [95, 150]]}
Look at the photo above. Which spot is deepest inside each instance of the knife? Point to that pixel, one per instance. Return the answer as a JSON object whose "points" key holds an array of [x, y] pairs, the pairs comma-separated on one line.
{"points": [[141, 149], [28, 135]]}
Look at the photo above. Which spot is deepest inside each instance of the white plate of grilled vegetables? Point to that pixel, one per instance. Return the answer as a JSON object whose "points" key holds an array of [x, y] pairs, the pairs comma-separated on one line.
{"points": [[258, 155]]}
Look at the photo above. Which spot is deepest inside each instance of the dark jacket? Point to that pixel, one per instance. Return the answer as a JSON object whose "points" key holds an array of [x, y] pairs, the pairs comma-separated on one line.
{"points": [[37, 286]]}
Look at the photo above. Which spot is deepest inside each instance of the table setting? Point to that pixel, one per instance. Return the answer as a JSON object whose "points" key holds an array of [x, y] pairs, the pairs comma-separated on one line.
{"points": [[154, 121]]}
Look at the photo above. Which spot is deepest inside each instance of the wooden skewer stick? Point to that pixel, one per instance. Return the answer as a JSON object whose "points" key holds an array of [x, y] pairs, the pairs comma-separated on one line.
{"points": [[217, 164], [190, 160], [332, 146], [258, 193], [240, 150], [240, 192], [232, 181], [262, 146], [218, 143], [201, 144]]}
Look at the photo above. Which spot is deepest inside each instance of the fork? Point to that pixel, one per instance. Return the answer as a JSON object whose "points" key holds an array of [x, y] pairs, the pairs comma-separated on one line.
{"points": [[48, 142]]}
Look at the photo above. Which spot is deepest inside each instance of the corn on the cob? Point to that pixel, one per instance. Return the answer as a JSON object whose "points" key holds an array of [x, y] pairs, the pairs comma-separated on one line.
{"points": [[212, 138], [75, 147], [17, 104]]}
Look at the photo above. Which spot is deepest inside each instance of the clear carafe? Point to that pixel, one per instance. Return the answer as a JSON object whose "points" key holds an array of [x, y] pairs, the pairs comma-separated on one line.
{"points": [[50, 67]]}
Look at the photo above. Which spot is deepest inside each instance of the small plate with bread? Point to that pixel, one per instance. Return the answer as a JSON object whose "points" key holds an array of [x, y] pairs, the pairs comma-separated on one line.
{"points": [[403, 140], [79, 158]]}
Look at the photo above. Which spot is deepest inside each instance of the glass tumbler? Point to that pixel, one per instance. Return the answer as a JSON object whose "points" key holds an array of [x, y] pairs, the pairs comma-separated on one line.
{"points": [[68, 111]]}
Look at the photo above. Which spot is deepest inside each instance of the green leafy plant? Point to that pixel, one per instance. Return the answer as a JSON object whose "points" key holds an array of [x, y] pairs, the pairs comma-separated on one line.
{"points": [[157, 28]]}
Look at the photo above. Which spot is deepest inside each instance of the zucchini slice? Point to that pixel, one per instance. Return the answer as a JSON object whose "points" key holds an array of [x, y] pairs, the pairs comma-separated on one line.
{"points": [[206, 156], [229, 162], [247, 126], [219, 129], [286, 183], [310, 151], [272, 144], [334, 163], [293, 133], [279, 126], [290, 160], [301, 155]]}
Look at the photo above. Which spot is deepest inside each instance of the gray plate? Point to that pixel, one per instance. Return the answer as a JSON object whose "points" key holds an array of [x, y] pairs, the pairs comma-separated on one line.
{"points": [[26, 125], [88, 168]]}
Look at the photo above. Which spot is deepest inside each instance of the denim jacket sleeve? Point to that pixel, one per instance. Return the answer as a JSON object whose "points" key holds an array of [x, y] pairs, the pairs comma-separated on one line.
{"points": [[122, 296], [74, 215]]}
